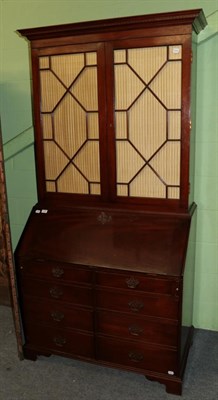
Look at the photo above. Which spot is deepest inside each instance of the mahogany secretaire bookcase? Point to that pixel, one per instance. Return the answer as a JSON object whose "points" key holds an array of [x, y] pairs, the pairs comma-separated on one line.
{"points": [[102, 267]]}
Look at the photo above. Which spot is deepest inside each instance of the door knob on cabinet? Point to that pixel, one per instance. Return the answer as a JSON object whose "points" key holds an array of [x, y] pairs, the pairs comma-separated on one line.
{"points": [[136, 305], [132, 282], [55, 292]]}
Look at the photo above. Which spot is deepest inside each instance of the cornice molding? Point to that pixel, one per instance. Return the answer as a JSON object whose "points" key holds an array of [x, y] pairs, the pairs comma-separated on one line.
{"points": [[195, 18]]}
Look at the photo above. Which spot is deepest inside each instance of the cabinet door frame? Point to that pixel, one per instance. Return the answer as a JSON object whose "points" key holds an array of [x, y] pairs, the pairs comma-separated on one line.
{"points": [[185, 42], [39, 150]]}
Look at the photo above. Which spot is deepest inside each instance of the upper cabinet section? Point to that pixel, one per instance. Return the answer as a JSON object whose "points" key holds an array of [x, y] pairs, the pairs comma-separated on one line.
{"points": [[112, 110]]}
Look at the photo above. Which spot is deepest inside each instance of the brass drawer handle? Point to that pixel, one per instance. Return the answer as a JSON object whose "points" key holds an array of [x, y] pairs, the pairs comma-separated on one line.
{"points": [[57, 272], [135, 305], [135, 330], [132, 282], [60, 341], [135, 356], [57, 316], [56, 292]]}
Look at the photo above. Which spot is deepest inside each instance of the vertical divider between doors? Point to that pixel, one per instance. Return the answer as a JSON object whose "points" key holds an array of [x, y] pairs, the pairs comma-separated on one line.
{"points": [[110, 84], [102, 100]]}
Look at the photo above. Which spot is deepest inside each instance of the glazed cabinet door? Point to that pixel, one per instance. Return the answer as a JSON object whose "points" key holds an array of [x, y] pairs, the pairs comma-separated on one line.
{"points": [[150, 119], [69, 116]]}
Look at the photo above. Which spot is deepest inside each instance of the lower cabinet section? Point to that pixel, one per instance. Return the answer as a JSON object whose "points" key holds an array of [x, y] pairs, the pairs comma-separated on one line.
{"points": [[132, 322]]}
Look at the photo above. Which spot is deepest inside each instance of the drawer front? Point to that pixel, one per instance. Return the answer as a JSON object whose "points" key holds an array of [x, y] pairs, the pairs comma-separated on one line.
{"points": [[127, 326], [134, 281], [57, 315], [60, 340], [60, 292], [136, 355], [55, 271], [138, 303]]}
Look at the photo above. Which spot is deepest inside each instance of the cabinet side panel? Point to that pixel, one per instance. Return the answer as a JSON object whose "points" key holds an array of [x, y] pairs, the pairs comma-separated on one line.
{"points": [[188, 287]]}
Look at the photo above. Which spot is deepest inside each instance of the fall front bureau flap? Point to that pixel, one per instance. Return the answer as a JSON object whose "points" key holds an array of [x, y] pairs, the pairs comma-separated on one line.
{"points": [[110, 238]]}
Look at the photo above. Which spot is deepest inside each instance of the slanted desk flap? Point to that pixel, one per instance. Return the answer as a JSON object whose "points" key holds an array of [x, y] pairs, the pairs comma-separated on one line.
{"points": [[112, 239]]}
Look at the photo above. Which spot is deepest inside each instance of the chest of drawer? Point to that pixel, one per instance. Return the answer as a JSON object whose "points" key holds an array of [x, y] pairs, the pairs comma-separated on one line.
{"points": [[137, 356], [62, 272], [57, 314], [60, 292], [60, 340], [137, 281], [138, 303], [132, 327]]}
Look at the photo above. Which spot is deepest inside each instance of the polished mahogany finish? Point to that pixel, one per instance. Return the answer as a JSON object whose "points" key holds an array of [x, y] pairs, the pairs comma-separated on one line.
{"points": [[101, 265], [104, 38], [120, 284]]}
